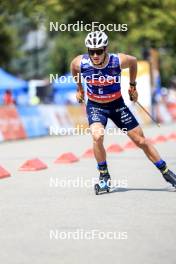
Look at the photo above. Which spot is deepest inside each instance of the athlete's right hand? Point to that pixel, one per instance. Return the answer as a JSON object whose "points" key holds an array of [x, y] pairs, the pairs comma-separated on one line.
{"points": [[133, 93], [80, 96]]}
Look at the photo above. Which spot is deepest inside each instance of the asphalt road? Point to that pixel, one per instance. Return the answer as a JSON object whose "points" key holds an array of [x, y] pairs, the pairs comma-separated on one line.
{"points": [[52, 216]]}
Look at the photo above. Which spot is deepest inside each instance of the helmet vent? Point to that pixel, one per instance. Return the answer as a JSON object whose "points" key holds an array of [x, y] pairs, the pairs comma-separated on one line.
{"points": [[100, 40], [94, 41]]}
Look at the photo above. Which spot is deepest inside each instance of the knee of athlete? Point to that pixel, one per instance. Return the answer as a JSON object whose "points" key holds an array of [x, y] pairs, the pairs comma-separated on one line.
{"points": [[142, 142], [97, 139]]}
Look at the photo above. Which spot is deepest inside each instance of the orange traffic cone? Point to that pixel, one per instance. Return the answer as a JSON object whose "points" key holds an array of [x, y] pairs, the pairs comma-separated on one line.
{"points": [[129, 145], [4, 173], [67, 158], [33, 165], [114, 148], [88, 153]]}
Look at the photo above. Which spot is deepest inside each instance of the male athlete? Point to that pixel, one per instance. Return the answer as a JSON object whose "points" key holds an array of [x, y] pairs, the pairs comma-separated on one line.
{"points": [[102, 72]]}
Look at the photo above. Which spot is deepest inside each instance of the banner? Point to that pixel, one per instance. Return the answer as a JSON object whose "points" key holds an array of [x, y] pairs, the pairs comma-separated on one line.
{"points": [[33, 121], [78, 115], [11, 126], [56, 118]]}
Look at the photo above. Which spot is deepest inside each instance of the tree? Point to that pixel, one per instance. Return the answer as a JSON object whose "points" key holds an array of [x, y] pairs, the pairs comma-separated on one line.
{"points": [[150, 23]]}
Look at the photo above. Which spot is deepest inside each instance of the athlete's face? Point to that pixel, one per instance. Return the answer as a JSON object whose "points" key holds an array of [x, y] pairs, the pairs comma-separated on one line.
{"points": [[97, 55]]}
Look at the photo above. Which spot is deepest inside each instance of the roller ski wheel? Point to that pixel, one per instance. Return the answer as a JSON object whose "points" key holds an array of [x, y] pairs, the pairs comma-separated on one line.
{"points": [[102, 186], [97, 188]]}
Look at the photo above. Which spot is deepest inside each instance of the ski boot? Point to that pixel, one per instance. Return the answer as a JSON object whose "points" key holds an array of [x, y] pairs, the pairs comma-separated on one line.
{"points": [[104, 182], [169, 176]]}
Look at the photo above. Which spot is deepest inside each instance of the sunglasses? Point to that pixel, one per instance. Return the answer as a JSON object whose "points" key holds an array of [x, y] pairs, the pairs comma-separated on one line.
{"points": [[98, 52]]}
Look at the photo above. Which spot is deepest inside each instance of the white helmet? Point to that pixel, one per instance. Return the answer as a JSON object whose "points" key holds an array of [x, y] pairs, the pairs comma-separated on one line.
{"points": [[96, 40]]}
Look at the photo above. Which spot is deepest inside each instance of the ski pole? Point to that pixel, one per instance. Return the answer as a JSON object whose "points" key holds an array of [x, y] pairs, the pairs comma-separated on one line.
{"points": [[152, 118]]}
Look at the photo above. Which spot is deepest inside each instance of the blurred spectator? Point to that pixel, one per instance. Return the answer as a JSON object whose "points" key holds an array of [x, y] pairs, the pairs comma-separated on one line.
{"points": [[165, 103], [8, 98]]}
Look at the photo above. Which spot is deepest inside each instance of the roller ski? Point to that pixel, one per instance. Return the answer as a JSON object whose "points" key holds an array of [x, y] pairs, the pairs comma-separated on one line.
{"points": [[169, 176], [104, 182]]}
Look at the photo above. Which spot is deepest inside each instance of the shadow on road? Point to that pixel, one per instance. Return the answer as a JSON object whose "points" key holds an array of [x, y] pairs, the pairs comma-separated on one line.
{"points": [[120, 189]]}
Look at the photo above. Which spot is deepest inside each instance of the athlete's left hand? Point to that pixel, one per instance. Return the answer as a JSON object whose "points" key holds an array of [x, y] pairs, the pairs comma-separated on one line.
{"points": [[80, 96], [133, 93]]}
